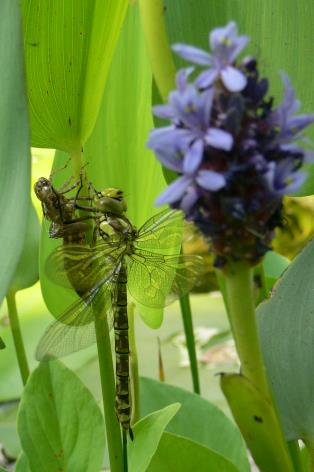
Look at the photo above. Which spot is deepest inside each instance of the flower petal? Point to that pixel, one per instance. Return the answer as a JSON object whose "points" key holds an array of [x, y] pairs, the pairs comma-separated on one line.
{"points": [[210, 180], [195, 55], [219, 139], [207, 78], [170, 159], [193, 157], [163, 111], [233, 79], [189, 199], [175, 191], [181, 78]]}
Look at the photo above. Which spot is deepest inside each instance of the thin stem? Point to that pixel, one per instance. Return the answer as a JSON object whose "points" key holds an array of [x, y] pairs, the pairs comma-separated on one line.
{"points": [[17, 336], [134, 376], [125, 450], [239, 286], [152, 15], [108, 393], [190, 340], [77, 162]]}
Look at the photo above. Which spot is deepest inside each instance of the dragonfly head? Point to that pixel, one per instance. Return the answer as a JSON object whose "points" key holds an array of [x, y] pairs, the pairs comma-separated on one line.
{"points": [[43, 189], [110, 200]]}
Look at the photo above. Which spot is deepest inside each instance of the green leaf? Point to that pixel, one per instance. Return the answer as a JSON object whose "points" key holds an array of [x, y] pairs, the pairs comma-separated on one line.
{"points": [[68, 47], [22, 464], [14, 145], [177, 453], [214, 430], [287, 335], [59, 423], [116, 150], [147, 433], [26, 273], [256, 418], [3, 470], [274, 264]]}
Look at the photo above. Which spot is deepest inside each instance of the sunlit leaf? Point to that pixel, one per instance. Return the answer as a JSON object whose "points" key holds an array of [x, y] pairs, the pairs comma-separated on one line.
{"points": [[14, 145], [147, 433], [59, 423], [68, 46]]}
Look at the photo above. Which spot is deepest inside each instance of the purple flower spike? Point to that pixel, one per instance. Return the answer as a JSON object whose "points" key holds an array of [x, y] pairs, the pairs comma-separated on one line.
{"points": [[225, 45], [234, 155]]}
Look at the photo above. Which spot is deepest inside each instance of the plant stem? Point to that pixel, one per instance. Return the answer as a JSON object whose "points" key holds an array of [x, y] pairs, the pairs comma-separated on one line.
{"points": [[263, 293], [239, 286], [77, 162], [135, 384], [108, 393], [190, 340], [152, 15], [17, 336]]}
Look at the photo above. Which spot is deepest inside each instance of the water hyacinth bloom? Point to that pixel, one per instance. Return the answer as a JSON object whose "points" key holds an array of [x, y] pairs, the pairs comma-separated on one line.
{"points": [[234, 154], [226, 45]]}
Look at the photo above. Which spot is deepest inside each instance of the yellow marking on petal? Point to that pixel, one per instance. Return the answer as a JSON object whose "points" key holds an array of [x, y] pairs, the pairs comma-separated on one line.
{"points": [[190, 108], [226, 41]]}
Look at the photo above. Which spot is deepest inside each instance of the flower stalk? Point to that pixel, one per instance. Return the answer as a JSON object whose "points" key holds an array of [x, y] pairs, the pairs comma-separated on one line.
{"points": [[241, 309]]}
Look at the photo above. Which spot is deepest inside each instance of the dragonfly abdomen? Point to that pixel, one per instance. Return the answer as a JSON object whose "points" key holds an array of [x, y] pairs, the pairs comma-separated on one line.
{"points": [[123, 401]]}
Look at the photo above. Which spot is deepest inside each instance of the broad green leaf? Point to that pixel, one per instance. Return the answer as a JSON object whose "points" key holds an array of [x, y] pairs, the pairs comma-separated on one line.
{"points": [[147, 433], [26, 273], [256, 418], [190, 22], [274, 264], [68, 47], [116, 150], [59, 423], [22, 464], [14, 145], [8, 434], [177, 453], [198, 420], [287, 334]]}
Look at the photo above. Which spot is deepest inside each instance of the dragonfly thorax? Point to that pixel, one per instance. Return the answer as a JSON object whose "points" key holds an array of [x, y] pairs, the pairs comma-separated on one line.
{"points": [[110, 200]]}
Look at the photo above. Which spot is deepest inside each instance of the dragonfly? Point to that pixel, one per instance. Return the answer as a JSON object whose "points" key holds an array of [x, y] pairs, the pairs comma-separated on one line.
{"points": [[147, 261]]}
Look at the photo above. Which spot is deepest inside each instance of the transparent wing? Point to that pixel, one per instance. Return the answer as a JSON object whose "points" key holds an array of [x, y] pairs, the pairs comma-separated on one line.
{"points": [[156, 280], [74, 330], [162, 231], [80, 267]]}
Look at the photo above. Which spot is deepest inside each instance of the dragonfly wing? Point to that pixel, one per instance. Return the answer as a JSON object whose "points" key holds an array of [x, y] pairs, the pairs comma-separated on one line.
{"points": [[74, 330], [80, 267], [162, 231], [156, 280]]}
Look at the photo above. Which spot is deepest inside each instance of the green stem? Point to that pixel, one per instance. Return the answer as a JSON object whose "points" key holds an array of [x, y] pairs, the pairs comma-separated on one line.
{"points": [[190, 340], [17, 336], [107, 379], [77, 162], [134, 377], [239, 286], [309, 443], [152, 16], [295, 454]]}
